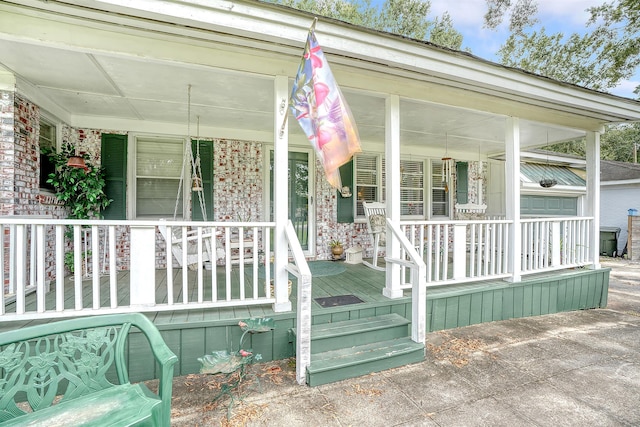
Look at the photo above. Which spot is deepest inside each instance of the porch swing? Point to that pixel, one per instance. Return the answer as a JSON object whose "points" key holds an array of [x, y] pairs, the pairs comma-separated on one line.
{"points": [[189, 241]]}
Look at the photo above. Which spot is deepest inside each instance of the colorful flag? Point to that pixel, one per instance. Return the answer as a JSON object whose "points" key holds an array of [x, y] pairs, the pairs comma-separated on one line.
{"points": [[320, 108]]}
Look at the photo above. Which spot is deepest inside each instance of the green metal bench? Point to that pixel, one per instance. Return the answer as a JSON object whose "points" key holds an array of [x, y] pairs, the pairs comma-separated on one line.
{"points": [[73, 372]]}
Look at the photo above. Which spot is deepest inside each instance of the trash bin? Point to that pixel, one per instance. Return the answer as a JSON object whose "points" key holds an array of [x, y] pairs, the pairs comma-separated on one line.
{"points": [[609, 240]]}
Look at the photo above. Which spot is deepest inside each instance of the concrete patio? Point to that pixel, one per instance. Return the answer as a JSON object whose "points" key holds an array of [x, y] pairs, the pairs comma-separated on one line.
{"points": [[565, 369]]}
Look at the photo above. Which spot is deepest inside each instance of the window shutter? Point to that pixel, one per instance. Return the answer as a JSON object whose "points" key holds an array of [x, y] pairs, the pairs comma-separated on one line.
{"points": [[345, 204], [206, 165], [114, 162], [462, 182]]}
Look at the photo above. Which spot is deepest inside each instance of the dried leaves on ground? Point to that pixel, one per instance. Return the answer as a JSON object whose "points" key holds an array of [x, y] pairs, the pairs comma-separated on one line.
{"points": [[454, 350]]}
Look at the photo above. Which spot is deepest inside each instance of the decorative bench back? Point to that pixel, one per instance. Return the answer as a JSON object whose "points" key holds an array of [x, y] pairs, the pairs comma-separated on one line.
{"points": [[70, 359]]}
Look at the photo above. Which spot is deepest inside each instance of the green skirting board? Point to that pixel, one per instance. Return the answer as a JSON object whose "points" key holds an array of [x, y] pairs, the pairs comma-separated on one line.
{"points": [[447, 307]]}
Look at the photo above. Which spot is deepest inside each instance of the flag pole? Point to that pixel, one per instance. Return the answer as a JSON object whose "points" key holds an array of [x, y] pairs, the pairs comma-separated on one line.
{"points": [[312, 28]]}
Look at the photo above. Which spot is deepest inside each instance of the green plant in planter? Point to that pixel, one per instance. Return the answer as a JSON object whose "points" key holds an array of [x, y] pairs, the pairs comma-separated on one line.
{"points": [[69, 260], [80, 190]]}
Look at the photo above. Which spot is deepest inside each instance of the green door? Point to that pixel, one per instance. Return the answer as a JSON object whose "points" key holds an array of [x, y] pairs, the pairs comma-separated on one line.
{"points": [[299, 195]]}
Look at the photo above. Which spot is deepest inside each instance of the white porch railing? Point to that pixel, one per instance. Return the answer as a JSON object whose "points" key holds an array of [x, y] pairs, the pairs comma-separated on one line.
{"points": [[555, 243], [417, 272], [37, 253], [300, 269], [460, 251], [466, 251]]}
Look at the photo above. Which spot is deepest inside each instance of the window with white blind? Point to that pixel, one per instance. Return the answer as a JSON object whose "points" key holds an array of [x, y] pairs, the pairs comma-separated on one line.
{"points": [[439, 191], [157, 177], [370, 180], [412, 188]]}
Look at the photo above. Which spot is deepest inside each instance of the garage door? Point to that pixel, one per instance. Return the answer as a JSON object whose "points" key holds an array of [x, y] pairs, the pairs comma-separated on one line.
{"points": [[548, 206]]}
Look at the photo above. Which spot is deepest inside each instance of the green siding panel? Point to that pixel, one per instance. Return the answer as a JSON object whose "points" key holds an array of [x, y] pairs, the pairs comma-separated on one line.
{"points": [[446, 308], [451, 312], [345, 204], [464, 310]]}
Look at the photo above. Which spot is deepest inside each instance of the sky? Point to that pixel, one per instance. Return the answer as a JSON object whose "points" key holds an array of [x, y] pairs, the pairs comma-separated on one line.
{"points": [[568, 16]]}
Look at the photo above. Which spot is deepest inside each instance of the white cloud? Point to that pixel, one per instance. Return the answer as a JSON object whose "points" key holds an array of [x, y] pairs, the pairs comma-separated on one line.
{"points": [[626, 88], [464, 13], [572, 12]]}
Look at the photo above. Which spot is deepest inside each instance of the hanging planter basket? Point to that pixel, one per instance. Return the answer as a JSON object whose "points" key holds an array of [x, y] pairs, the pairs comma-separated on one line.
{"points": [[547, 182]]}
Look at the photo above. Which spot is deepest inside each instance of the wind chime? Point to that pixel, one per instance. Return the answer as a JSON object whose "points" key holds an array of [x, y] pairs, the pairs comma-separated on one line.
{"points": [[447, 165]]}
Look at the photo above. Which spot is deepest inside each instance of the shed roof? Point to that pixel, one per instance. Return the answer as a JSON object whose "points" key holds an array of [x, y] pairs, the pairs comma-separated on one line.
{"points": [[618, 171], [536, 171]]}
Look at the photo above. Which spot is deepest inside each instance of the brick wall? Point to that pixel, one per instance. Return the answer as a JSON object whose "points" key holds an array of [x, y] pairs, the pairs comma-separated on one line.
{"points": [[7, 153]]}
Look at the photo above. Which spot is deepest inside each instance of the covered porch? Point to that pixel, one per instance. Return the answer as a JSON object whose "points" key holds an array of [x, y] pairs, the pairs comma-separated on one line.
{"points": [[442, 134]]}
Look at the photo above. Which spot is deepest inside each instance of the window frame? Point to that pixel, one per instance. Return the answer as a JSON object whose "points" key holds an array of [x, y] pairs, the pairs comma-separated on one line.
{"points": [[132, 177], [379, 172]]}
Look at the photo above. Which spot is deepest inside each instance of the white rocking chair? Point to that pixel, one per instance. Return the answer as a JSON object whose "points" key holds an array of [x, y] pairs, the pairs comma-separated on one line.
{"points": [[188, 243], [376, 215]]}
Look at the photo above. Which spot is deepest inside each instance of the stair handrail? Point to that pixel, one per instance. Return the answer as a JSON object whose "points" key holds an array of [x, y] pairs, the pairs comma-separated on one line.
{"points": [[300, 269], [418, 269]]}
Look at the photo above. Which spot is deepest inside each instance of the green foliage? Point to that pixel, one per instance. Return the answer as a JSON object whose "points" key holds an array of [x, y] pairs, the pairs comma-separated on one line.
{"points": [[69, 260], [616, 143], [335, 243], [404, 17], [606, 54], [81, 190], [522, 14]]}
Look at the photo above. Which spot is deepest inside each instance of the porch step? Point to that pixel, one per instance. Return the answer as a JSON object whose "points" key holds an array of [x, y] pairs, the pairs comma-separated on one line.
{"points": [[357, 347], [337, 365], [348, 333]]}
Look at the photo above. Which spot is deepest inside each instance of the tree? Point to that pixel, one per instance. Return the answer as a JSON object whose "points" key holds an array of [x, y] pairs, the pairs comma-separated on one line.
{"points": [[605, 55], [617, 143], [404, 17], [523, 14]]}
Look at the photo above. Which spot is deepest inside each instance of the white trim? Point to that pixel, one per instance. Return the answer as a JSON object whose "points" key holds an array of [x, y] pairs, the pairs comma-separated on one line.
{"points": [[622, 182], [512, 190], [593, 193], [131, 190], [313, 197], [260, 26]]}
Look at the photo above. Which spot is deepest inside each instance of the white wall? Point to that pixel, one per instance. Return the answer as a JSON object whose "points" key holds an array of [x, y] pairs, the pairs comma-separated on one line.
{"points": [[615, 201]]}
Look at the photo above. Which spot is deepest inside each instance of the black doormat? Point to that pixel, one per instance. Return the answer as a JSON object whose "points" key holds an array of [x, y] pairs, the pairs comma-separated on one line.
{"points": [[338, 300]]}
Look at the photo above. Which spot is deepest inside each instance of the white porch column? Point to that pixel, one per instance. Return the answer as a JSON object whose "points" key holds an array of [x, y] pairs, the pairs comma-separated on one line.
{"points": [[280, 194], [143, 265], [392, 197], [512, 189], [593, 195]]}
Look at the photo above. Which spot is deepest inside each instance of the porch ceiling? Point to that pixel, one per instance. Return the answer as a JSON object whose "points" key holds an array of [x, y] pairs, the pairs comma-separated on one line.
{"points": [[114, 89]]}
